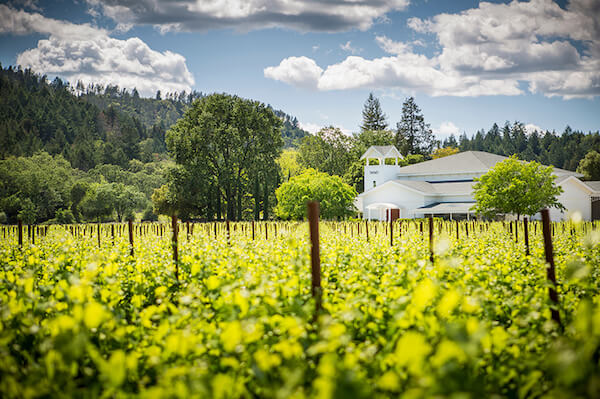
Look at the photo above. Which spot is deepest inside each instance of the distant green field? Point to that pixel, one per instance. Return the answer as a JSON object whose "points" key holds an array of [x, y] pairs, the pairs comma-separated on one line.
{"points": [[81, 318]]}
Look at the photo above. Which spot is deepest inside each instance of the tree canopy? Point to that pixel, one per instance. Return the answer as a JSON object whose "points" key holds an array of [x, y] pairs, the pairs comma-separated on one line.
{"points": [[228, 146], [335, 197], [413, 135], [373, 116], [589, 166], [516, 187]]}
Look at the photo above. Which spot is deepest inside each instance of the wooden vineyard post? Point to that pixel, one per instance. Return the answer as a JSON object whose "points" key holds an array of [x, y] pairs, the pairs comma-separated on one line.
{"points": [[98, 230], [431, 238], [457, 234], [130, 225], [516, 231], [112, 233], [313, 222], [20, 233], [266, 231], [253, 230], [367, 229], [175, 228], [550, 272], [391, 232], [526, 235], [32, 228], [228, 231]]}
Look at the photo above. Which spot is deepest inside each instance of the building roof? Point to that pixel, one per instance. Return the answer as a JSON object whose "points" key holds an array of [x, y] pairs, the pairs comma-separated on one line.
{"points": [[452, 188], [382, 151], [463, 162], [446, 207], [594, 185]]}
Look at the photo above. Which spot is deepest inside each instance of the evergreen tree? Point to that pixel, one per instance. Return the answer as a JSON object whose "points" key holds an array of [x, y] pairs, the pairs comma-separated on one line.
{"points": [[413, 135], [373, 116]]}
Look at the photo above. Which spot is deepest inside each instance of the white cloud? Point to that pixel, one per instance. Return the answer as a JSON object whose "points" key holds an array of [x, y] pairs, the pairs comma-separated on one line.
{"points": [[19, 22], [312, 128], [349, 48], [302, 15], [530, 128], [83, 52], [297, 71], [488, 50], [446, 129]]}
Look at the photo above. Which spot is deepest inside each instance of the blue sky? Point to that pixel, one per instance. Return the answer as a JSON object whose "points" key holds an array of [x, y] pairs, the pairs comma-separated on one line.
{"points": [[468, 64]]}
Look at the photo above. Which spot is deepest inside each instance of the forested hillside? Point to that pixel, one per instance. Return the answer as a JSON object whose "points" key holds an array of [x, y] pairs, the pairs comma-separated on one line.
{"points": [[92, 125], [564, 150]]}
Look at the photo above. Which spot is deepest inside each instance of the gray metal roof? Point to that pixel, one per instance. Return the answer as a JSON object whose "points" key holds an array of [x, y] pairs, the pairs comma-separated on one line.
{"points": [[594, 185], [453, 188], [446, 207], [463, 162]]}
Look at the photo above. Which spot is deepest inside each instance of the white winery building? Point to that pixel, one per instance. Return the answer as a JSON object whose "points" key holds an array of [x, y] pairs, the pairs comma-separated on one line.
{"points": [[444, 187]]}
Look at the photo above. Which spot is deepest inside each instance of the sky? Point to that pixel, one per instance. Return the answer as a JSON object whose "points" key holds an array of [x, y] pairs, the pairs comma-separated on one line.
{"points": [[468, 64]]}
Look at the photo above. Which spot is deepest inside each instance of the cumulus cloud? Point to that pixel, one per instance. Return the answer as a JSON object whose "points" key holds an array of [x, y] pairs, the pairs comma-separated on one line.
{"points": [[488, 50], [446, 129], [311, 127], [88, 54], [296, 71], [530, 128], [302, 15]]}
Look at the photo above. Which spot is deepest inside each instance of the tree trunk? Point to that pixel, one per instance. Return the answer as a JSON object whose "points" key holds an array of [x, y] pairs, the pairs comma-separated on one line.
{"points": [[218, 204], [266, 199], [256, 199], [239, 202]]}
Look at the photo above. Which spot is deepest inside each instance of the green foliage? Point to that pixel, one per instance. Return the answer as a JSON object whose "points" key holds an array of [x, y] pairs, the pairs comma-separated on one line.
{"points": [[3, 218], [227, 143], [328, 151], [373, 116], [42, 182], [516, 187], [83, 321], [548, 148], [98, 202], [64, 216], [589, 166], [288, 163], [335, 197], [28, 213], [413, 135]]}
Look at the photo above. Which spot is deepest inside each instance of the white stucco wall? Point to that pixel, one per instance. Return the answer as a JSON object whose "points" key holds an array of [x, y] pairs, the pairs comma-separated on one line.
{"points": [[404, 199], [576, 199], [379, 174]]}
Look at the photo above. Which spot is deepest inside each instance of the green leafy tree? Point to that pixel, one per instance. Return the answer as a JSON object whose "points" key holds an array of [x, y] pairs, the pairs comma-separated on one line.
{"points": [[373, 116], [127, 199], [516, 187], [328, 151], [413, 135], [288, 163], [28, 213], [335, 196], [226, 142], [99, 202], [590, 166]]}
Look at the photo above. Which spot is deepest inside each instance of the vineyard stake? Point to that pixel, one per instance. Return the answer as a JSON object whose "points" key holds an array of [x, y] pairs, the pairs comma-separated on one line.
{"points": [[98, 234], [313, 222], [32, 234], [175, 228], [367, 229], [253, 230], [457, 236], [228, 231], [550, 260], [391, 231], [20, 233], [130, 225], [112, 233], [526, 235], [431, 238]]}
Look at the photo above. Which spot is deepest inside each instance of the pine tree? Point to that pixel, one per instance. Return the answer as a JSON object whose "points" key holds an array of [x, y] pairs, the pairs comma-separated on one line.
{"points": [[413, 135], [373, 116]]}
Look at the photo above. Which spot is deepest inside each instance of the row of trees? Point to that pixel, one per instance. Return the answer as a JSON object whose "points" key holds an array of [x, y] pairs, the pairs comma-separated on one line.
{"points": [[47, 188]]}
